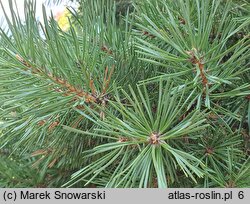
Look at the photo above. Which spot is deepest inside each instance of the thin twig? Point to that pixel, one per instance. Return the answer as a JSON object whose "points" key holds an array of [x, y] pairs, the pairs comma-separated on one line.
{"points": [[70, 88]]}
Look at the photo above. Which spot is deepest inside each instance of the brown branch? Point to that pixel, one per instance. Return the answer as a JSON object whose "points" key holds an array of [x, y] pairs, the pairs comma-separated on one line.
{"points": [[203, 77], [70, 89], [28, 65], [73, 90], [195, 61], [99, 98]]}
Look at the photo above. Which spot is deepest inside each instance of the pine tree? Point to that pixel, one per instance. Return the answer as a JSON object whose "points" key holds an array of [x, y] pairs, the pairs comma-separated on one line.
{"points": [[152, 93]]}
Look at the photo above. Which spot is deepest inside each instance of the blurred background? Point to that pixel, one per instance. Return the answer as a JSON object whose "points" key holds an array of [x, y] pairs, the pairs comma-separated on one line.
{"points": [[58, 9]]}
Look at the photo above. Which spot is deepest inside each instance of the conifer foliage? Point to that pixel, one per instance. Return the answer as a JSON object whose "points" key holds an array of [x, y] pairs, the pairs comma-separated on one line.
{"points": [[151, 93]]}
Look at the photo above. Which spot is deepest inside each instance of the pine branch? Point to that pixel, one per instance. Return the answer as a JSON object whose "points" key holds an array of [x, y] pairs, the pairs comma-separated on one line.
{"points": [[200, 64], [70, 89]]}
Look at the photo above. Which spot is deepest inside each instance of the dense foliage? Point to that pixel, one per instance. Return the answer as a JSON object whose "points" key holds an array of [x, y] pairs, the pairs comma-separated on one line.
{"points": [[151, 93]]}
